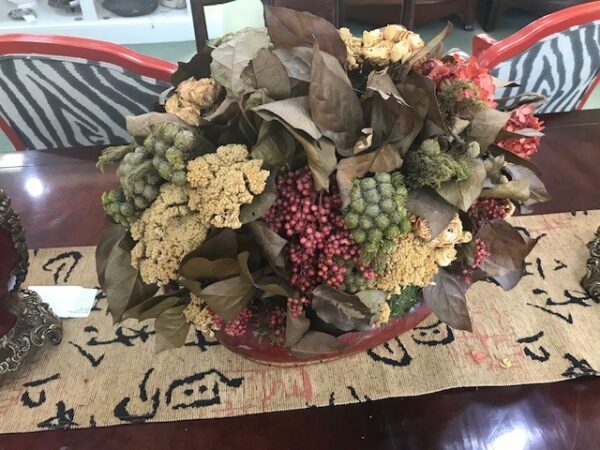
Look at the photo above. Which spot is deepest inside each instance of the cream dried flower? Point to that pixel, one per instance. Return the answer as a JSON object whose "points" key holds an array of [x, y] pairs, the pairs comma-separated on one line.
{"points": [[165, 233], [192, 97], [222, 182], [200, 316], [353, 49]]}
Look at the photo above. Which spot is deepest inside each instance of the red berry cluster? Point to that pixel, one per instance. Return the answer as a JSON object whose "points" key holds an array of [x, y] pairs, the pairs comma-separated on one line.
{"points": [[481, 252], [485, 209], [320, 243], [239, 325], [271, 323]]}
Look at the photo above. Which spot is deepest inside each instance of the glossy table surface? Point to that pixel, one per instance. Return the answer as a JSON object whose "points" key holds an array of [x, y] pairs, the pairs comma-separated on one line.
{"points": [[57, 195]]}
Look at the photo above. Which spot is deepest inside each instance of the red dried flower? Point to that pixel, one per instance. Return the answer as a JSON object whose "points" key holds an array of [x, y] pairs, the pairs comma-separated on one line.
{"points": [[523, 118]]}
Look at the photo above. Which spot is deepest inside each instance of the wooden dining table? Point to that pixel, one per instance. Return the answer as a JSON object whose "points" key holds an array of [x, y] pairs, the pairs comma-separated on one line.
{"points": [[57, 194]]}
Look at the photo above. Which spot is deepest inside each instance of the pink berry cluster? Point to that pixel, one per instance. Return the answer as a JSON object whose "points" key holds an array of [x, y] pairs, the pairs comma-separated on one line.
{"points": [[319, 241], [485, 209], [239, 325], [481, 252], [271, 323]]}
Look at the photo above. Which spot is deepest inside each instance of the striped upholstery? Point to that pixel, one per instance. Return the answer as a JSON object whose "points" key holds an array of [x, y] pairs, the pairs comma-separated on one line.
{"points": [[560, 67], [61, 102]]}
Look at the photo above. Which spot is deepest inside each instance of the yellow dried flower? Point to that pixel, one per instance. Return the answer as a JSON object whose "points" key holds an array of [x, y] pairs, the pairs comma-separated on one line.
{"points": [[411, 261], [222, 182], [192, 97], [353, 49], [198, 314], [166, 232]]}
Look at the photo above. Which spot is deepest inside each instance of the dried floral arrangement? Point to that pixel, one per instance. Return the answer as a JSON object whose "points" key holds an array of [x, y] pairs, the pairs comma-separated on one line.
{"points": [[316, 184]]}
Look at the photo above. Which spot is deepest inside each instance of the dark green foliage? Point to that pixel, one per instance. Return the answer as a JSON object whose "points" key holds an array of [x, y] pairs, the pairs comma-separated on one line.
{"points": [[428, 165], [406, 299]]}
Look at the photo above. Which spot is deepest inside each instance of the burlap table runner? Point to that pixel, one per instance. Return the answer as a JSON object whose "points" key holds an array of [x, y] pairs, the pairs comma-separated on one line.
{"points": [[544, 330]]}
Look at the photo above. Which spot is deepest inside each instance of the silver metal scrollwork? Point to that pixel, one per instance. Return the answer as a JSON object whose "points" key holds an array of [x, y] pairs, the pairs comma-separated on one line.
{"points": [[591, 279]]}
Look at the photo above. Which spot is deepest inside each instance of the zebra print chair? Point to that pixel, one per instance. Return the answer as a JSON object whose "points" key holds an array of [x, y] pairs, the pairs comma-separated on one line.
{"points": [[60, 92], [557, 56]]}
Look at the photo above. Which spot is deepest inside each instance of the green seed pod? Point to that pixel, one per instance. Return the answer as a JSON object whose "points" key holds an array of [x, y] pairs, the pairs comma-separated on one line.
{"points": [[164, 170], [175, 158], [160, 147], [138, 186], [156, 161], [365, 223], [127, 210], [168, 131], [179, 178], [153, 179], [367, 184], [185, 140], [150, 193], [383, 177], [473, 149], [358, 206], [371, 196], [386, 190], [113, 208], [351, 220], [359, 236], [150, 141], [392, 232], [375, 235], [140, 202], [382, 221], [388, 205], [372, 210]]}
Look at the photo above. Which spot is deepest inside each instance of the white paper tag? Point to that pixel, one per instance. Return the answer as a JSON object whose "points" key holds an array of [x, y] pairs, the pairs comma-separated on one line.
{"points": [[67, 301], [29, 18]]}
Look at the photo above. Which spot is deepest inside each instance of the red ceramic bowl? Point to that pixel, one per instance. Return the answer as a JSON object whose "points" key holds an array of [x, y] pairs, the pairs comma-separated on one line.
{"points": [[264, 352]]}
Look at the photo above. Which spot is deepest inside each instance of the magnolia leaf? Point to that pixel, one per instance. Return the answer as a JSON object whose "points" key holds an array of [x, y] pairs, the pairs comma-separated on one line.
{"points": [[123, 286], [275, 145], [517, 190], [271, 243], [463, 194], [486, 125], [317, 343], [502, 83], [515, 101], [342, 310], [268, 72], [384, 159], [261, 203], [537, 189], [493, 168], [459, 126], [172, 329], [334, 106], [294, 112], [379, 81], [507, 248], [231, 58], [227, 110], [141, 126], [275, 285], [364, 142], [510, 279], [153, 307], [429, 205], [295, 328], [110, 239], [290, 28], [229, 297], [223, 244], [197, 67], [518, 134], [321, 158], [433, 46], [373, 299], [445, 296], [200, 269], [297, 61]]}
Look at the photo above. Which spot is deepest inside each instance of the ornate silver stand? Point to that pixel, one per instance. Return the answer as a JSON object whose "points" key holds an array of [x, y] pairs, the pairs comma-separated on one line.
{"points": [[36, 324], [591, 279]]}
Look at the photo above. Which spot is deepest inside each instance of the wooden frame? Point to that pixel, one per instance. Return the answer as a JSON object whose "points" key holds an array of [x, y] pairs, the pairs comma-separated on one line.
{"points": [[67, 46]]}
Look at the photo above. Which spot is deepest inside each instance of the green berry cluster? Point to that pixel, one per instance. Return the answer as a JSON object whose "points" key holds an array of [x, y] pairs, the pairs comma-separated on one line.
{"points": [[144, 167], [428, 165], [402, 302], [122, 211], [376, 214], [354, 282], [172, 146]]}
